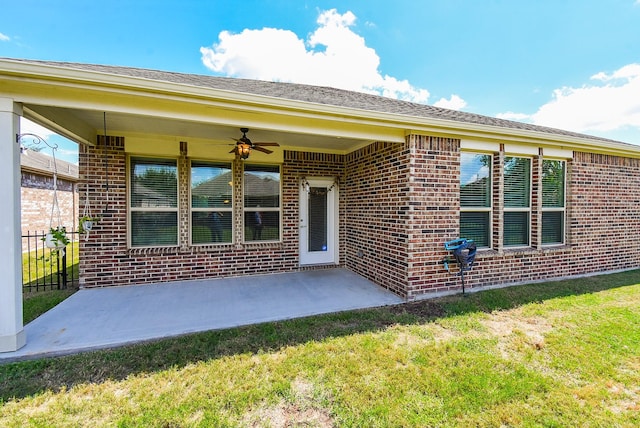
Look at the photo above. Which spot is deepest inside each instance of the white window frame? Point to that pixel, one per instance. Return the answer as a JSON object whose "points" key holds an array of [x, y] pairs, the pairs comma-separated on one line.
{"points": [[562, 209], [131, 209], [528, 209], [262, 209], [488, 209], [192, 209]]}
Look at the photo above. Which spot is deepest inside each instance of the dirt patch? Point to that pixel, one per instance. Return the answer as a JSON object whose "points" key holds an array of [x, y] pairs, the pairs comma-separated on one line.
{"points": [[626, 399], [504, 325], [425, 309], [303, 411]]}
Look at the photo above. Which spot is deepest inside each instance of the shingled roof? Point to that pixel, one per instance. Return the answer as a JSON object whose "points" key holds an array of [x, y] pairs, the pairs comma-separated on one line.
{"points": [[316, 94], [41, 163]]}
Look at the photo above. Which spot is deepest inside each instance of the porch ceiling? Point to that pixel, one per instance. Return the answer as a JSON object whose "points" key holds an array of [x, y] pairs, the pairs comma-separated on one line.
{"points": [[75, 122]]}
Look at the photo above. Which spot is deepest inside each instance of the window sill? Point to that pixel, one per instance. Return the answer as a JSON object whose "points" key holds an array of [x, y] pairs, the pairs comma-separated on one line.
{"points": [[262, 244], [201, 248], [522, 251]]}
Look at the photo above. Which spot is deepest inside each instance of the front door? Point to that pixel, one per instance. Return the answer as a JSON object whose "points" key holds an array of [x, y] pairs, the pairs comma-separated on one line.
{"points": [[318, 221]]}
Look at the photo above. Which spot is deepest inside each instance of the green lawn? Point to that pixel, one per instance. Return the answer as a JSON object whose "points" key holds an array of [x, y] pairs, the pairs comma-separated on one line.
{"points": [[41, 266], [562, 354], [37, 303]]}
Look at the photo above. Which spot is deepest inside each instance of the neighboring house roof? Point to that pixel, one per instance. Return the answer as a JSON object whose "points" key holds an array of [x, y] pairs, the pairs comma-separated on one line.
{"points": [[41, 163], [254, 185], [371, 107]]}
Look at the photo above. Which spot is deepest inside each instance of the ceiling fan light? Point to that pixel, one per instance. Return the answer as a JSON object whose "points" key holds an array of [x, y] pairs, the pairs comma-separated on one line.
{"points": [[244, 150]]}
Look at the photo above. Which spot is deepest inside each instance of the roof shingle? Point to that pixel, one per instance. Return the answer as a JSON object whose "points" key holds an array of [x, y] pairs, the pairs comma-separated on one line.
{"points": [[319, 95]]}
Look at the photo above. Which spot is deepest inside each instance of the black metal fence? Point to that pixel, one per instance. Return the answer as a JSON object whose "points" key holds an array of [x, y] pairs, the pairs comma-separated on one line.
{"points": [[46, 269]]}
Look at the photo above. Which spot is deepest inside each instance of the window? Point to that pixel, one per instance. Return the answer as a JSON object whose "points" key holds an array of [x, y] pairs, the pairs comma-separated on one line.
{"points": [[475, 198], [211, 203], [517, 201], [154, 202], [261, 203], [553, 201]]}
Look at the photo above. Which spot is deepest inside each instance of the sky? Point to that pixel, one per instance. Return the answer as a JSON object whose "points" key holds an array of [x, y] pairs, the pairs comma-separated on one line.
{"points": [[573, 65]]}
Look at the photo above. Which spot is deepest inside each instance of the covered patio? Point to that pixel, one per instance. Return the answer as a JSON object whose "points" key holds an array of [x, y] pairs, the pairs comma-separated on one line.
{"points": [[107, 317]]}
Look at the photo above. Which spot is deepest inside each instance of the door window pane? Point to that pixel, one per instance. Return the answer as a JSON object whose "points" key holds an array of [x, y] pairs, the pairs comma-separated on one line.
{"points": [[317, 219]]}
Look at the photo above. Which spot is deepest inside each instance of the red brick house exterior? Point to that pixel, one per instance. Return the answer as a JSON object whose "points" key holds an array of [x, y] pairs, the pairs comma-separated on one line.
{"points": [[394, 167], [37, 192]]}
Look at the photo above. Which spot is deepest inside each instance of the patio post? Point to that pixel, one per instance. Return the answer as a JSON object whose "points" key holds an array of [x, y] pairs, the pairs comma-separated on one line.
{"points": [[12, 335]]}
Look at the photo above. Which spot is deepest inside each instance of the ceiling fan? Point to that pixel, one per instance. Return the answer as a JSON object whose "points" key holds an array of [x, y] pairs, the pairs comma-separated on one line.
{"points": [[244, 145]]}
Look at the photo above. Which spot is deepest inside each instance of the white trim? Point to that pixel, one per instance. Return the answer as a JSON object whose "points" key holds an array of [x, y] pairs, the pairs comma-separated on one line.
{"points": [[562, 209], [481, 146], [192, 209], [131, 209], [551, 152], [27, 75], [517, 150], [332, 255], [528, 209], [278, 209]]}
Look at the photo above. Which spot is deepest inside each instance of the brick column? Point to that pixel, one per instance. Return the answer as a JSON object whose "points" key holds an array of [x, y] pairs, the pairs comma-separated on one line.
{"points": [[498, 199], [536, 202], [12, 336]]}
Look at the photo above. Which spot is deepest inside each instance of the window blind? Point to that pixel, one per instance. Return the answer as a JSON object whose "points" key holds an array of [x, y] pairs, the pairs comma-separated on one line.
{"points": [[153, 202]]}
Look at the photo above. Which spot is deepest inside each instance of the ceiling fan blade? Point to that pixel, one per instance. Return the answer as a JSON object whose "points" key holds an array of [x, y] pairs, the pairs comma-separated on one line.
{"points": [[261, 143], [261, 149], [235, 149]]}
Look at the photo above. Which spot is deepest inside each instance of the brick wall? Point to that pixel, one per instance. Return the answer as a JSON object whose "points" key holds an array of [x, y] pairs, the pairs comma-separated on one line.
{"points": [[36, 195], [106, 260], [434, 211], [298, 165], [377, 214], [398, 204], [603, 227]]}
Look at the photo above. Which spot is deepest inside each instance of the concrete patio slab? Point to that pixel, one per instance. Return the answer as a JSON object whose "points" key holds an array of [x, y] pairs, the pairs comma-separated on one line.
{"points": [[108, 317]]}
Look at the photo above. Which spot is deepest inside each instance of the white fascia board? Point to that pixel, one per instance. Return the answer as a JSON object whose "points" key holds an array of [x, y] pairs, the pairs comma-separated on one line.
{"points": [[261, 103]]}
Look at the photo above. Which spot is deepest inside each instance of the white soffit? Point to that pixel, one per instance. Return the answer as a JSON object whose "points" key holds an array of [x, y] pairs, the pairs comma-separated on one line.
{"points": [[551, 152], [480, 146]]}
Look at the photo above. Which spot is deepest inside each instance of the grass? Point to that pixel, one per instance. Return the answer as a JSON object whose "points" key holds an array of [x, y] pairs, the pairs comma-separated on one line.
{"points": [[37, 303], [556, 354], [40, 267]]}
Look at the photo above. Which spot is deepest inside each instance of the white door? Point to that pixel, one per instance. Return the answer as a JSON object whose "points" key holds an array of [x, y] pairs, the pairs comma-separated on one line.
{"points": [[318, 221]]}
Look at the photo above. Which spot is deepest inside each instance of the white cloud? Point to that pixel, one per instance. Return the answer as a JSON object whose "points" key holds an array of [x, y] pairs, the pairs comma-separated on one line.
{"points": [[453, 103], [510, 115], [4, 38], [613, 102], [333, 55], [28, 127], [609, 102]]}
